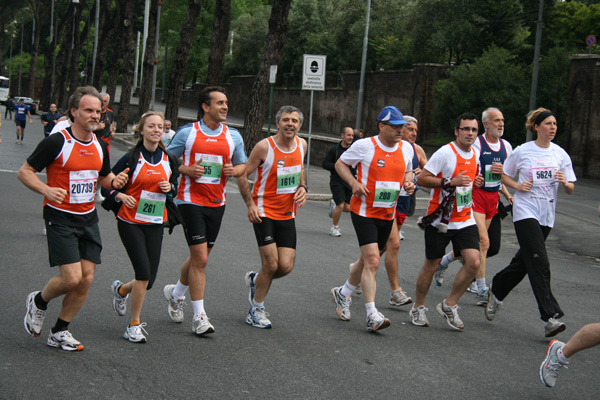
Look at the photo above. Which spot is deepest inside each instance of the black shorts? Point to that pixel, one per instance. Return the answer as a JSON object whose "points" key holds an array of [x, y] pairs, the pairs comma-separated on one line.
{"points": [[342, 193], [280, 232], [143, 243], [201, 224], [371, 230], [69, 245], [20, 122], [436, 242]]}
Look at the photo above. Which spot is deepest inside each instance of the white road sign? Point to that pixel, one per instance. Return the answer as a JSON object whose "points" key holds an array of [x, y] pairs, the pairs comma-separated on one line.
{"points": [[313, 72]]}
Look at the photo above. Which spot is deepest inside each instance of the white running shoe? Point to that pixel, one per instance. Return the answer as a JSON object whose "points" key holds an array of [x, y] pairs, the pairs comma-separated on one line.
{"points": [[64, 340], [418, 317], [472, 288], [550, 367], [376, 321], [401, 235], [119, 302], [34, 317], [99, 196], [134, 333], [335, 232], [175, 305], [451, 315], [200, 324], [257, 317], [342, 304], [399, 298]]}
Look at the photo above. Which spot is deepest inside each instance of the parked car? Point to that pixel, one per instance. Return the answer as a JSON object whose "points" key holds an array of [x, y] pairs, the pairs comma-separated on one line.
{"points": [[33, 105]]}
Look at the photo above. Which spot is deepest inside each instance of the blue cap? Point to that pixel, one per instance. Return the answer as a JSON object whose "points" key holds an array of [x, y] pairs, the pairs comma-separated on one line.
{"points": [[392, 115]]}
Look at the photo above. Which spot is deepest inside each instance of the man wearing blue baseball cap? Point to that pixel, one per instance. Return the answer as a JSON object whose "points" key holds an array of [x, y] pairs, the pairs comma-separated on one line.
{"points": [[384, 165]]}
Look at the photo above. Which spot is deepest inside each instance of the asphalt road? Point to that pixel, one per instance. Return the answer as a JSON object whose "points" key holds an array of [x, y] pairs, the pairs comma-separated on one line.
{"points": [[309, 353]]}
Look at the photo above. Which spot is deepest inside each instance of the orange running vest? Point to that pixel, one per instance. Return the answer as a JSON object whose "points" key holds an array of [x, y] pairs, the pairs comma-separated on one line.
{"points": [[76, 169], [383, 175], [463, 202], [209, 190], [277, 180], [150, 200]]}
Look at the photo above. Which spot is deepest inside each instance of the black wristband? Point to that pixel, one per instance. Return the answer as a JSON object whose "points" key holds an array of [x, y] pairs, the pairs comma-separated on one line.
{"points": [[303, 186]]}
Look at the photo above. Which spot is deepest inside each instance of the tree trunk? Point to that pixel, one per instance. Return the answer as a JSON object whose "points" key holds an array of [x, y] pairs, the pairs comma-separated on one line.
{"points": [[182, 56], [35, 9], [117, 51], [74, 70], [258, 103], [49, 93], [106, 33], [63, 59], [128, 66], [148, 61], [218, 42]]}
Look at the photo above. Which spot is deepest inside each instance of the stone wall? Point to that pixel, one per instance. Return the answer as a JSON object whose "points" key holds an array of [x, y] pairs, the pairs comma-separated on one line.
{"points": [[582, 123]]}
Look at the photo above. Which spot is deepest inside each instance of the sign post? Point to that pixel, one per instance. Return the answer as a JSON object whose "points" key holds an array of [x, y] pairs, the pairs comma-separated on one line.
{"points": [[272, 79], [590, 40], [313, 78]]}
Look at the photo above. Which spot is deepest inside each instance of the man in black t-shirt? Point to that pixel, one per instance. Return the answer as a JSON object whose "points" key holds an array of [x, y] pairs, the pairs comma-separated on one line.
{"points": [[74, 161], [340, 190]]}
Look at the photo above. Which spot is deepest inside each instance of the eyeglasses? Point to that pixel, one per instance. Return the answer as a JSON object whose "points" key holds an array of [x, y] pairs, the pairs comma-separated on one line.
{"points": [[467, 129], [392, 125]]}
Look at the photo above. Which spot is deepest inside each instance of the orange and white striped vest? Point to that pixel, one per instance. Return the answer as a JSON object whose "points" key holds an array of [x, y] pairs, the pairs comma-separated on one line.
{"points": [[277, 180], [76, 169]]}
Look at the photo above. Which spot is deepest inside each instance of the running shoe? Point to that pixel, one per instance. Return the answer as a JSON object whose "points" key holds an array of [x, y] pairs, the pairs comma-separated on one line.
{"points": [[335, 232], [399, 298], [342, 304], [200, 324], [135, 333], [358, 290], [418, 316], [451, 315], [34, 317], [401, 235], [554, 327], [257, 317], [331, 208], [99, 196], [550, 367], [492, 306], [175, 305], [472, 288], [376, 321], [438, 276], [482, 299], [64, 340], [119, 302], [250, 276]]}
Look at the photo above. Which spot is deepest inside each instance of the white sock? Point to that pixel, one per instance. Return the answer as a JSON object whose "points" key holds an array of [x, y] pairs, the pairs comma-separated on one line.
{"points": [[480, 285], [446, 260], [347, 290], [370, 308], [198, 306], [336, 226], [256, 304], [179, 290], [561, 356]]}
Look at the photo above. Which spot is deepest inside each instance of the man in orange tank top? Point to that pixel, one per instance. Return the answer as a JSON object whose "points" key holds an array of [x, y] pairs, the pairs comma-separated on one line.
{"points": [[74, 160], [212, 152], [384, 166], [452, 167], [279, 188]]}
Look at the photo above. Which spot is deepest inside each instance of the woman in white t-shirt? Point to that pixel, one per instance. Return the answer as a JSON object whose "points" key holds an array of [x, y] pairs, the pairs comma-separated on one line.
{"points": [[541, 167]]}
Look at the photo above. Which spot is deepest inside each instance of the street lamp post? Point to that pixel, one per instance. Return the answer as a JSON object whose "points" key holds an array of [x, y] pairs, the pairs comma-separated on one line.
{"points": [[155, 67]]}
